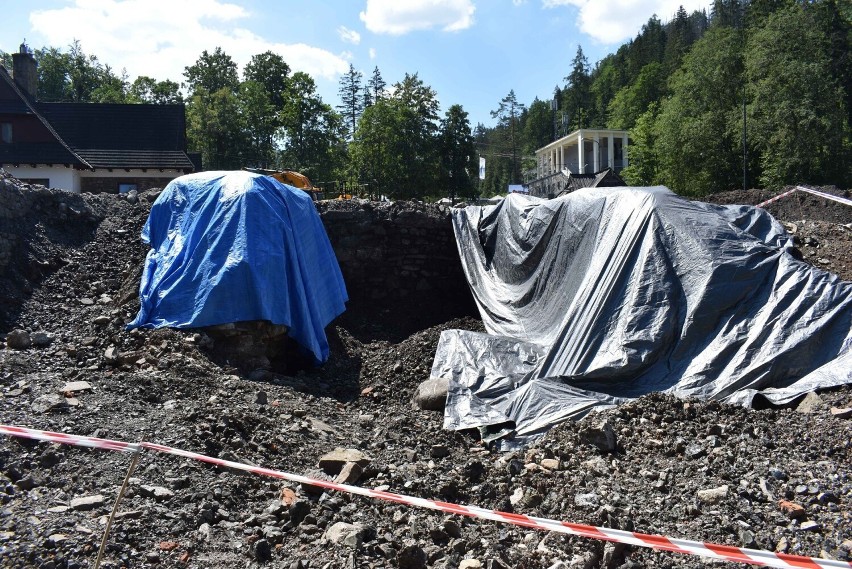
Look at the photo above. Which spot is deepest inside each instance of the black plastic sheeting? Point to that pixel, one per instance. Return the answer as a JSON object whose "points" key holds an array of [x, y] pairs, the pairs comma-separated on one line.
{"points": [[606, 294]]}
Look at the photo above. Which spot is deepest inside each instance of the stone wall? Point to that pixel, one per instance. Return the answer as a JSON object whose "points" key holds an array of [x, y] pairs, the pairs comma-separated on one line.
{"points": [[24, 207], [398, 256], [14, 204]]}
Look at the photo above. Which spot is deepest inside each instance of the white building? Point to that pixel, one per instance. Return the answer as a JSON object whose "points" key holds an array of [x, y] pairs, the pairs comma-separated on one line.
{"points": [[584, 151]]}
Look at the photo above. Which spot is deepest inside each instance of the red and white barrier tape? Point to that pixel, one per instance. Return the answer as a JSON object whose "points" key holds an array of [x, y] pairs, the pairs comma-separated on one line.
{"points": [[838, 199], [724, 552], [776, 198]]}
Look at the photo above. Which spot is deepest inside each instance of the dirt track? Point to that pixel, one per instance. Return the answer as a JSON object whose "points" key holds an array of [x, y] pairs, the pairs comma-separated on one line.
{"points": [[163, 386]]}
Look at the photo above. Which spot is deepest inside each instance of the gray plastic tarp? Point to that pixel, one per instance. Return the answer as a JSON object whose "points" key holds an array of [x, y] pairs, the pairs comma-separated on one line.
{"points": [[606, 294]]}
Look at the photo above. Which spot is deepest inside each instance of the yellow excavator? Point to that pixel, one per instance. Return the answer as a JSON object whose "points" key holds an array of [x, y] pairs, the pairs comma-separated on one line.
{"points": [[291, 178]]}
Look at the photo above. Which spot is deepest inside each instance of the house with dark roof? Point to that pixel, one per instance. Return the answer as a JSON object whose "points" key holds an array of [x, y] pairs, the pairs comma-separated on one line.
{"points": [[87, 147]]}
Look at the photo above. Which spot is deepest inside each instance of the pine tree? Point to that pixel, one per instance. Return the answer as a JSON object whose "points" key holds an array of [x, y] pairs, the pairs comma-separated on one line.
{"points": [[351, 99], [376, 85]]}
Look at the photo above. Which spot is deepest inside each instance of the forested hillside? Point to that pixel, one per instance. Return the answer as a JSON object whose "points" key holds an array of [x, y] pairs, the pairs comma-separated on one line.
{"points": [[754, 92], [687, 90]]}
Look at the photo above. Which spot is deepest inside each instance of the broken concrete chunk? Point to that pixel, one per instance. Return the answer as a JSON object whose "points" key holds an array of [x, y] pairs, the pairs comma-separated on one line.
{"points": [[333, 462], [350, 473], [842, 413], [73, 386]]}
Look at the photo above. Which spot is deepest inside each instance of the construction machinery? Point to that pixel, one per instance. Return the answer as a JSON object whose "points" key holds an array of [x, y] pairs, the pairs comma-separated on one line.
{"points": [[291, 178]]}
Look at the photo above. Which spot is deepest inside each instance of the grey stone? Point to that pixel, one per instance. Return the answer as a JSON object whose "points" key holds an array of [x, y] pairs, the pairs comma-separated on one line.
{"points": [[41, 339], [49, 403], [87, 502], [586, 500], [205, 533], [73, 386], [261, 398], [262, 551], [159, 493], [431, 395], [18, 340], [411, 557], [712, 495], [811, 403], [111, 355], [439, 451], [811, 525], [600, 435], [339, 532]]}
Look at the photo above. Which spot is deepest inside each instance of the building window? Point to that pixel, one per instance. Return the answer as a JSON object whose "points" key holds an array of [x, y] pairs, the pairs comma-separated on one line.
{"points": [[6, 132], [37, 181], [124, 188]]}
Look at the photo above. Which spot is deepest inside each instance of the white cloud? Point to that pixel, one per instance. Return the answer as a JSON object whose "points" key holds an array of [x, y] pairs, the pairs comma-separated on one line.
{"points": [[159, 38], [372, 53], [397, 17], [614, 21], [349, 36], [519, 2]]}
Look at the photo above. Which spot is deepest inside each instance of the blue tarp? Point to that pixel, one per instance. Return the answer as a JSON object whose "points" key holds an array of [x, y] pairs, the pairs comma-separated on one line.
{"points": [[236, 246]]}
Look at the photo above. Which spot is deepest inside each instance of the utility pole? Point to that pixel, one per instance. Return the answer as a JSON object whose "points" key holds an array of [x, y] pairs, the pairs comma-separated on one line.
{"points": [[745, 147]]}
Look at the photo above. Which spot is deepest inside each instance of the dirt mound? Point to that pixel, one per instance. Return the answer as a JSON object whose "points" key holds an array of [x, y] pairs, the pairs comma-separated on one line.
{"points": [[687, 469]]}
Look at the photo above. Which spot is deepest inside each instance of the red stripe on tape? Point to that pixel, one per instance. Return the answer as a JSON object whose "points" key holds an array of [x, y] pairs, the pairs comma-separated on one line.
{"points": [[729, 552], [389, 496], [798, 561], [588, 531], [454, 508], [660, 542], [518, 519]]}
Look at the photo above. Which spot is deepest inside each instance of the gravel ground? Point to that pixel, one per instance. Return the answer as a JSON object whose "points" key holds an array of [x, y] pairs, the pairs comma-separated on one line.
{"points": [[777, 479]]}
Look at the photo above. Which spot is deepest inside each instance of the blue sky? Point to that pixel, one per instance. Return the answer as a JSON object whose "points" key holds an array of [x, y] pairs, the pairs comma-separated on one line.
{"points": [[472, 52]]}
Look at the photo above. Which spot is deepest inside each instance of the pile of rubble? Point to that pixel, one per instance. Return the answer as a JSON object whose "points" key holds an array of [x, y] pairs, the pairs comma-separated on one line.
{"points": [[776, 479]]}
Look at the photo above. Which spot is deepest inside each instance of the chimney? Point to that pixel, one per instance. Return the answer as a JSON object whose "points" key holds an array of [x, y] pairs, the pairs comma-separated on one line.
{"points": [[24, 70]]}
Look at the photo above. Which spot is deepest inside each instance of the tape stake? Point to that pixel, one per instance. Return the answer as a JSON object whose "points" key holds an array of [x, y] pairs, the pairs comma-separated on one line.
{"points": [[658, 542]]}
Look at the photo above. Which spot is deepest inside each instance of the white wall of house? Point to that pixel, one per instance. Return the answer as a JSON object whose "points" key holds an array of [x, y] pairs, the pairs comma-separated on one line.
{"points": [[68, 179], [58, 177]]}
